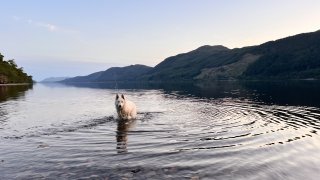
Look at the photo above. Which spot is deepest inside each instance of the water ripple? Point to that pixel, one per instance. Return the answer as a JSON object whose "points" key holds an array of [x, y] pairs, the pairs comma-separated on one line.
{"points": [[174, 137]]}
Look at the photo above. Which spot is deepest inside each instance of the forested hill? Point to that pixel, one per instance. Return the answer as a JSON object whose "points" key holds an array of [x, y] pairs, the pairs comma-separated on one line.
{"points": [[294, 57], [11, 73]]}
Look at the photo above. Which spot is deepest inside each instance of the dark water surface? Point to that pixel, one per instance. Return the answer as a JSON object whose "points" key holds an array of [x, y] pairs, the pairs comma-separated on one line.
{"points": [[221, 130]]}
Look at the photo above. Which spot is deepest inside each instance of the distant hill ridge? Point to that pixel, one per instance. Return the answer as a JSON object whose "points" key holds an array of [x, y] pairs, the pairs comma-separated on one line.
{"points": [[53, 79], [294, 57], [128, 73]]}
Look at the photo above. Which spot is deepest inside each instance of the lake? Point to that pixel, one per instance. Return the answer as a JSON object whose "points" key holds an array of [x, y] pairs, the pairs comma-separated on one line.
{"points": [[217, 130]]}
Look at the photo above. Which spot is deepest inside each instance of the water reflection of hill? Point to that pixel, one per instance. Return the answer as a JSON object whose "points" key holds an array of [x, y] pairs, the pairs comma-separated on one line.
{"points": [[13, 91], [296, 93], [293, 93]]}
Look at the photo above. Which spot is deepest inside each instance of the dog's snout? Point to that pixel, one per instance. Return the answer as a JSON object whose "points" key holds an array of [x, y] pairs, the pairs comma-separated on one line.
{"points": [[119, 106]]}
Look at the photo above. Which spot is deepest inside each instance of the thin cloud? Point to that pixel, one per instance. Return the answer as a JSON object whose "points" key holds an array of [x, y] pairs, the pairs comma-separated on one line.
{"points": [[16, 18], [48, 26]]}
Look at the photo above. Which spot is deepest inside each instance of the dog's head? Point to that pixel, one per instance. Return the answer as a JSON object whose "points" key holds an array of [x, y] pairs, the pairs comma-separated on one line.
{"points": [[120, 100]]}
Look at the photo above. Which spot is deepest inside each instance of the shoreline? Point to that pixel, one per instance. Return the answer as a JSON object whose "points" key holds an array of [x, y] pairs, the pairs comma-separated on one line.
{"points": [[16, 84]]}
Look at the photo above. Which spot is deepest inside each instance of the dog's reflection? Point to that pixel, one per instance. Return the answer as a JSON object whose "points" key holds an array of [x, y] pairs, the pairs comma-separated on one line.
{"points": [[123, 128]]}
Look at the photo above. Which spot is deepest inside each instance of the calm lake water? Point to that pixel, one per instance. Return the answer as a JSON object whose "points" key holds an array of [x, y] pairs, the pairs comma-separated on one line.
{"points": [[221, 130]]}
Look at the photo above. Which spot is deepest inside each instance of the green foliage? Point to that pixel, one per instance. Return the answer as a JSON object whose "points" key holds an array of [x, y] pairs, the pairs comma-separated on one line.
{"points": [[10, 73]]}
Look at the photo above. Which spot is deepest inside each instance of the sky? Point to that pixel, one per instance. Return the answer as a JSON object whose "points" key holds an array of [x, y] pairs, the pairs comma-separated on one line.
{"points": [[55, 38]]}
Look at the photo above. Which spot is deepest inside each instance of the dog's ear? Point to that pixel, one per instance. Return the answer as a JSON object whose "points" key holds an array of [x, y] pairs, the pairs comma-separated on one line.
{"points": [[122, 96], [117, 96]]}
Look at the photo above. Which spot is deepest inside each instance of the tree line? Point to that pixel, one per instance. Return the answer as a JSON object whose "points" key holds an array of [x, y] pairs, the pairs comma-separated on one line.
{"points": [[11, 73]]}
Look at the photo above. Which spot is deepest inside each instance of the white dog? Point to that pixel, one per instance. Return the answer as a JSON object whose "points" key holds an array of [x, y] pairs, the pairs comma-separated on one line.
{"points": [[126, 109]]}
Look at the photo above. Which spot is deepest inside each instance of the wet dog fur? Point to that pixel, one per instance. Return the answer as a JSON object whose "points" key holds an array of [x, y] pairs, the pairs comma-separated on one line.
{"points": [[126, 109]]}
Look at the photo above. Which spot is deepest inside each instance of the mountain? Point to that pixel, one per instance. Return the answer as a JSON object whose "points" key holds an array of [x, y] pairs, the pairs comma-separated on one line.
{"points": [[188, 66], [294, 57], [128, 73], [11, 73], [53, 79]]}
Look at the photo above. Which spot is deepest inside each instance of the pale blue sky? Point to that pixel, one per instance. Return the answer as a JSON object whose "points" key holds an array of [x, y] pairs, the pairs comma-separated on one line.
{"points": [[78, 37]]}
